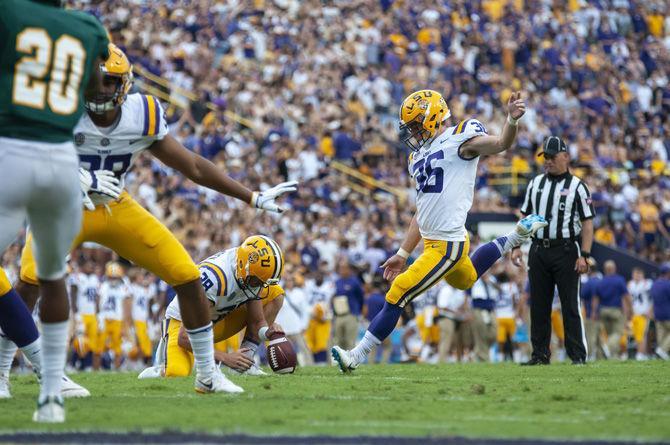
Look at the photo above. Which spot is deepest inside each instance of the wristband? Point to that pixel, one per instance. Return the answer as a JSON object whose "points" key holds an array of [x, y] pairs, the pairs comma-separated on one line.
{"points": [[586, 255], [254, 197], [402, 253], [510, 120], [261, 333]]}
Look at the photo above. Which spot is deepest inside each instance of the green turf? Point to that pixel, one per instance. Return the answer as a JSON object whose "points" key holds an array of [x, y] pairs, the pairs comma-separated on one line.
{"points": [[602, 400]]}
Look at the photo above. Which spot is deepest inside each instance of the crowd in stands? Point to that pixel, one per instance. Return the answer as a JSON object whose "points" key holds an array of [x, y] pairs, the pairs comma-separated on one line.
{"points": [[291, 89]]}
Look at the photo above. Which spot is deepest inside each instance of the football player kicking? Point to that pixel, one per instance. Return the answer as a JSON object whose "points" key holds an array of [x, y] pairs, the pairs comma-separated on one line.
{"points": [[48, 57], [242, 285], [116, 128], [443, 163]]}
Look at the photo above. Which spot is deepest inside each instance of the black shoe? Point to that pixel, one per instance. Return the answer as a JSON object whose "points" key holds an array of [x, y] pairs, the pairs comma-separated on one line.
{"points": [[579, 362], [535, 361]]}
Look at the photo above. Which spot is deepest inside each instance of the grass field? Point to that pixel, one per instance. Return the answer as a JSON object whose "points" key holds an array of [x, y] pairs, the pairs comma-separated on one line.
{"points": [[603, 400]]}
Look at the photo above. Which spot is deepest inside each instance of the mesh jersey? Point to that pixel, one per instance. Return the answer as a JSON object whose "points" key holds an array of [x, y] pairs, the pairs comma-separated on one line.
{"points": [[506, 298], [319, 298], [445, 182], [47, 55], [142, 295], [87, 292], [221, 287], [141, 124], [639, 292], [112, 294]]}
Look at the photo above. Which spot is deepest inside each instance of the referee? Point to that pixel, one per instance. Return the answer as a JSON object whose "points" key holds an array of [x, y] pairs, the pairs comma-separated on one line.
{"points": [[556, 258]]}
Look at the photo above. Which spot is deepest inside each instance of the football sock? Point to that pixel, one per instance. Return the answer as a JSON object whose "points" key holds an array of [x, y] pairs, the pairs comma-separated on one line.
{"points": [[251, 345], [16, 321], [385, 321], [489, 253], [34, 355], [364, 347], [7, 351], [54, 353], [202, 344]]}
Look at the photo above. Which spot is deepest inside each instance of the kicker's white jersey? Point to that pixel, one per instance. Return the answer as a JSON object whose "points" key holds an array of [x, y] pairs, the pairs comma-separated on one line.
{"points": [[217, 274], [639, 292], [507, 298], [112, 294], [116, 148], [445, 182], [142, 295], [87, 292]]}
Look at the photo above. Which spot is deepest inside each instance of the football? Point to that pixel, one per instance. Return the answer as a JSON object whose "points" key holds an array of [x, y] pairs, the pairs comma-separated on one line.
{"points": [[281, 355]]}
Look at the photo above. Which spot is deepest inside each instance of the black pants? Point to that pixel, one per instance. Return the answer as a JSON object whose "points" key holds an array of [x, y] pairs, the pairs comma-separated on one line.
{"points": [[551, 267]]}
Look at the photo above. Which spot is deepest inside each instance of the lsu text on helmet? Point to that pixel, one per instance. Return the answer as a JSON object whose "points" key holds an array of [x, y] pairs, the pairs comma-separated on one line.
{"points": [[421, 115]]}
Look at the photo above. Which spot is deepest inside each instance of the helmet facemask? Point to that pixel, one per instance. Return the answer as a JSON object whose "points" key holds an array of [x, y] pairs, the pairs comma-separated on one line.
{"points": [[104, 101], [413, 134]]}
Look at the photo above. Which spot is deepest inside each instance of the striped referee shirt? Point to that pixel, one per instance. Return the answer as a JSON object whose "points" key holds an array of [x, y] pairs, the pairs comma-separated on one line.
{"points": [[563, 200]]}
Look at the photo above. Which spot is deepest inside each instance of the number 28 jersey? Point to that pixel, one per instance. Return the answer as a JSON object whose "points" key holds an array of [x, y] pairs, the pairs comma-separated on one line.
{"points": [[140, 125], [445, 182], [217, 274]]}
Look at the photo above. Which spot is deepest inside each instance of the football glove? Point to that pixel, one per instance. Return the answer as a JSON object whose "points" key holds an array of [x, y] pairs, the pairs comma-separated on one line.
{"points": [[266, 200], [98, 181]]}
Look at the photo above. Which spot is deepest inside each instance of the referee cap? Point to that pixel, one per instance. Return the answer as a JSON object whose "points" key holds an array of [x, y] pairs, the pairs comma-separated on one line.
{"points": [[552, 146]]}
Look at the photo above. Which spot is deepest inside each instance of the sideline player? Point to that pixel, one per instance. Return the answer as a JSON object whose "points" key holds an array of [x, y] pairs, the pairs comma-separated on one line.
{"points": [[115, 130], [443, 165], [48, 57], [242, 285]]}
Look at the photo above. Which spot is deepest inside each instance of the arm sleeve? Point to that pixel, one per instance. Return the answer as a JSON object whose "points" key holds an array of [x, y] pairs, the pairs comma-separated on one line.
{"points": [[584, 203], [527, 205]]}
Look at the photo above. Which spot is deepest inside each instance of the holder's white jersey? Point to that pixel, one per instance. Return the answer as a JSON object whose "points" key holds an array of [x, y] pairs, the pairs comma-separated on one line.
{"points": [[87, 292], [639, 292], [116, 148], [217, 274], [112, 294], [142, 295], [445, 182]]}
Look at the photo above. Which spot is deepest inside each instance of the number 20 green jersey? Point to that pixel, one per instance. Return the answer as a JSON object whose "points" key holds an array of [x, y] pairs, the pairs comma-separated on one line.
{"points": [[47, 55]]}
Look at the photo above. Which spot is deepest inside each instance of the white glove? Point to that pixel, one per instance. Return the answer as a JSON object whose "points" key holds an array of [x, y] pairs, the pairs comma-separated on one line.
{"points": [[98, 181], [266, 200]]}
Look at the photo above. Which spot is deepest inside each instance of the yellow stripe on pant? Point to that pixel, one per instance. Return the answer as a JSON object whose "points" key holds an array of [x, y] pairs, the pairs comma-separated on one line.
{"points": [[440, 259], [5, 285]]}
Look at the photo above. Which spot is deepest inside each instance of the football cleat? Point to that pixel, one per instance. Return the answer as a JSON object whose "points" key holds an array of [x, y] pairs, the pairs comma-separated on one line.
{"points": [[70, 389], [343, 359], [50, 410], [529, 225], [216, 383], [152, 372], [4, 387]]}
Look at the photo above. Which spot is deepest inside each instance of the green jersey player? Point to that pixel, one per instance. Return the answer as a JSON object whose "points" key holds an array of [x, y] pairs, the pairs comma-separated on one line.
{"points": [[48, 57]]}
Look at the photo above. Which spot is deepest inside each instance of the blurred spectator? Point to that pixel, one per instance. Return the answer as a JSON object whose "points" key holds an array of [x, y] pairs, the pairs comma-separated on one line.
{"points": [[612, 307], [660, 295]]}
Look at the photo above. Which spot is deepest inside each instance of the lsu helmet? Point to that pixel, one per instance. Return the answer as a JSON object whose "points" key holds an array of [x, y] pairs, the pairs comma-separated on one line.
{"points": [[421, 115], [259, 264], [113, 270], [118, 71]]}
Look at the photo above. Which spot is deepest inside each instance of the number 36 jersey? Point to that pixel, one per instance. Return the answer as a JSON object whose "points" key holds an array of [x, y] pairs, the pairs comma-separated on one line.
{"points": [[116, 148], [445, 182], [217, 274]]}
